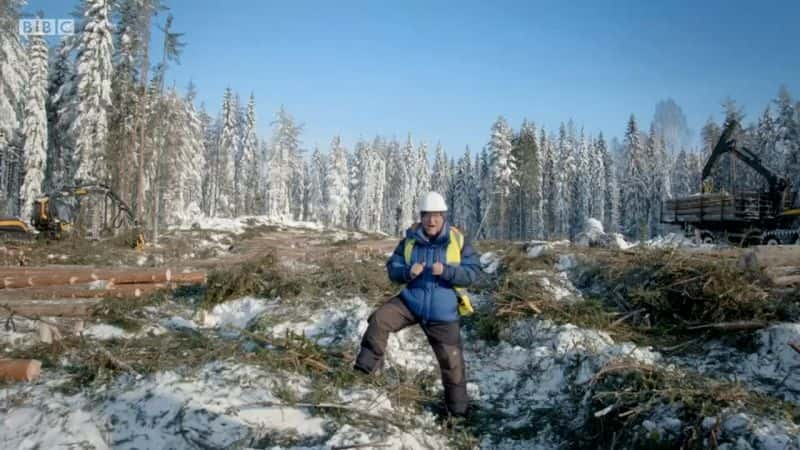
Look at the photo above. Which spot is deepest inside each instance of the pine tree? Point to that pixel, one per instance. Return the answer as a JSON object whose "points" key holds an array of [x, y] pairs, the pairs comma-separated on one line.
{"points": [[337, 193], [35, 128]]}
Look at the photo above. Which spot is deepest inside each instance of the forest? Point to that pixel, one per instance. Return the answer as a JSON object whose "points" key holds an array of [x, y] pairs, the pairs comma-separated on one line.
{"points": [[95, 106]]}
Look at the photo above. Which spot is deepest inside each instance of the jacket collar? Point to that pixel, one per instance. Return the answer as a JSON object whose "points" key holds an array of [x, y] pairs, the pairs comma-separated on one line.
{"points": [[417, 233]]}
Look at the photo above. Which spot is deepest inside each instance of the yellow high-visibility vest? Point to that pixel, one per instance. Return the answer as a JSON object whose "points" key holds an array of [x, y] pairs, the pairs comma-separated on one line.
{"points": [[453, 257]]}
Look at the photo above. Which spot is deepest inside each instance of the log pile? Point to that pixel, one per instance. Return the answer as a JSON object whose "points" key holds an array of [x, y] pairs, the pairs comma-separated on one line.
{"points": [[780, 263], [717, 207], [71, 291]]}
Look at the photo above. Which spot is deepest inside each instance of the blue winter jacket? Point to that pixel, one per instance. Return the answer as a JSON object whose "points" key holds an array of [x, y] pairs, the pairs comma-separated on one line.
{"points": [[432, 298]]}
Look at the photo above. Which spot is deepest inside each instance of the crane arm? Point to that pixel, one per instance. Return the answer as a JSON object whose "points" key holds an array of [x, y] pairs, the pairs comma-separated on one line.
{"points": [[727, 144]]}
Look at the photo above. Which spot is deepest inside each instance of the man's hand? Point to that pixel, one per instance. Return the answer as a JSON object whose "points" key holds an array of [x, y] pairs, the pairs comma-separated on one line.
{"points": [[416, 269], [437, 268]]}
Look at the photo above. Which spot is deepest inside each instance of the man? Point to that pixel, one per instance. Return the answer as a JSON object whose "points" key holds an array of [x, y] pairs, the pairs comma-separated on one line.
{"points": [[435, 264]]}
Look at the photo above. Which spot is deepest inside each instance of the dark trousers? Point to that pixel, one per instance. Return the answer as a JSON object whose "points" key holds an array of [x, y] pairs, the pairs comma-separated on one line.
{"points": [[444, 338]]}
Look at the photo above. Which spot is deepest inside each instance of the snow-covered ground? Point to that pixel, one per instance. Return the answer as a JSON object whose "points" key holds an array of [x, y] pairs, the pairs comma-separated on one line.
{"points": [[529, 389]]}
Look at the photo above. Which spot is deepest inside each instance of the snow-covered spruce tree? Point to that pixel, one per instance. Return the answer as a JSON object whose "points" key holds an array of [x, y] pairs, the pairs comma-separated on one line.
{"points": [[787, 135], [194, 154], [282, 166], [239, 171], [633, 184], [548, 184], [709, 135], [611, 197], [670, 125], [464, 214], [392, 195], [365, 180], [483, 174], [579, 186], [504, 176], [377, 168], [441, 168], [92, 98], [249, 161], [35, 129], [315, 187], [60, 146], [211, 128], [681, 181], [13, 81], [226, 149], [422, 175], [764, 143], [657, 179], [527, 199], [337, 192], [451, 184], [408, 189], [125, 99], [565, 170], [597, 179]]}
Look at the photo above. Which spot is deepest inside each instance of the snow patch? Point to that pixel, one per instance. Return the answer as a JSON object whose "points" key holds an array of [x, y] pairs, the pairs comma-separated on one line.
{"points": [[234, 313], [490, 261], [103, 332]]}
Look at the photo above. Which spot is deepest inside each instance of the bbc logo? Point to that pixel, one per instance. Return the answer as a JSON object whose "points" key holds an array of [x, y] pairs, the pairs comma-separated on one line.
{"points": [[46, 27]]}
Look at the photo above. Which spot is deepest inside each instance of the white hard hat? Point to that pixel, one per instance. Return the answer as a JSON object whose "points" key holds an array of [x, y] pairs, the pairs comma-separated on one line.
{"points": [[432, 202]]}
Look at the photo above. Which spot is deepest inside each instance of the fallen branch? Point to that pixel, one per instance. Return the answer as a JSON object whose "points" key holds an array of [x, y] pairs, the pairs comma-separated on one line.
{"points": [[742, 325], [627, 316], [117, 362], [367, 444]]}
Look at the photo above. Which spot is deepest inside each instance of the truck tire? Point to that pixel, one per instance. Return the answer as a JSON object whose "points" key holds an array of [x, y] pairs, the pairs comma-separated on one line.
{"points": [[771, 239]]}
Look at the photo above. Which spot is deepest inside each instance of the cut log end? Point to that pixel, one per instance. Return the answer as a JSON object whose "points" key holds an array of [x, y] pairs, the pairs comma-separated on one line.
{"points": [[20, 369]]}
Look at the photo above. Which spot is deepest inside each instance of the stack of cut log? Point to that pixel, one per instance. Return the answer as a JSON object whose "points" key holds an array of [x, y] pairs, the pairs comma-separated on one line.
{"points": [[780, 263], [716, 207], [71, 291]]}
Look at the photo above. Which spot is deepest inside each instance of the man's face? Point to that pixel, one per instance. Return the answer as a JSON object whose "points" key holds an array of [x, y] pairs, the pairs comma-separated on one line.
{"points": [[432, 223]]}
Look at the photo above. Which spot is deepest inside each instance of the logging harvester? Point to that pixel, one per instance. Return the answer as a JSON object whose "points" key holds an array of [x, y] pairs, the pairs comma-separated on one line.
{"points": [[57, 213], [740, 218]]}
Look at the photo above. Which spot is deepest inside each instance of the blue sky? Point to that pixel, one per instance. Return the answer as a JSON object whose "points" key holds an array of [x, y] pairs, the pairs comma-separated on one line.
{"points": [[444, 71]]}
